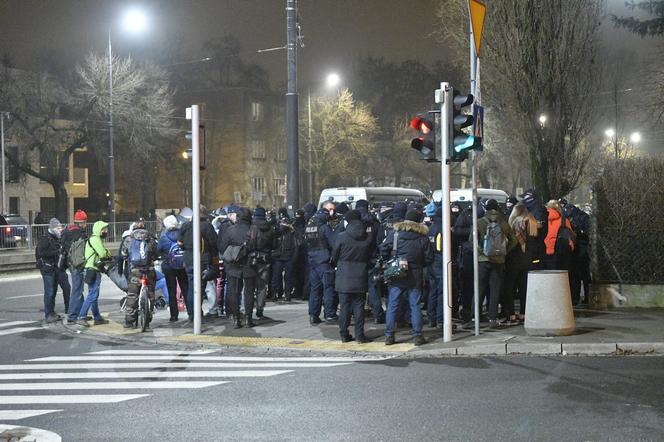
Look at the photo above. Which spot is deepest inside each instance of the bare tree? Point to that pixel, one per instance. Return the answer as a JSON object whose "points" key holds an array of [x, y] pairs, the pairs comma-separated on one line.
{"points": [[539, 57]]}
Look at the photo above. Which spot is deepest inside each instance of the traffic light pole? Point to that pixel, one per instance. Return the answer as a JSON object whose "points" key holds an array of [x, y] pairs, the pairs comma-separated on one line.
{"points": [[293, 174], [444, 96], [473, 168], [193, 114]]}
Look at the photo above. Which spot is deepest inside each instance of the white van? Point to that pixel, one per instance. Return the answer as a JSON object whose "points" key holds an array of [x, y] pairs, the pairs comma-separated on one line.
{"points": [[464, 197], [374, 195]]}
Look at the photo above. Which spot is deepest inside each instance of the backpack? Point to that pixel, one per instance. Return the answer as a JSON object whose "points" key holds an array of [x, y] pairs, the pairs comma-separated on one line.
{"points": [[176, 256], [76, 254], [563, 239], [139, 255], [495, 242]]}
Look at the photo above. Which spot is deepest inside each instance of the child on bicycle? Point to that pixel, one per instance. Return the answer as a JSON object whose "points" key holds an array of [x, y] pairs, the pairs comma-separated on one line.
{"points": [[140, 253]]}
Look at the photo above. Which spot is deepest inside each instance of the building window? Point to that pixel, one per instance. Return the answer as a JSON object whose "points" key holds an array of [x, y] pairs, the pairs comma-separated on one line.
{"points": [[48, 165], [258, 149], [47, 207], [14, 205], [237, 197], [281, 150], [258, 188], [256, 111], [279, 186], [13, 172]]}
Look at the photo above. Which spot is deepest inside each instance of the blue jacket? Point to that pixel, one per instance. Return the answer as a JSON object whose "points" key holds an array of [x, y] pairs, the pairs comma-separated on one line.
{"points": [[321, 249], [166, 241]]}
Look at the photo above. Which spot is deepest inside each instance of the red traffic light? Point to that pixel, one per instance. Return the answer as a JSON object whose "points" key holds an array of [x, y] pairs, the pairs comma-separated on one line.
{"points": [[421, 124]]}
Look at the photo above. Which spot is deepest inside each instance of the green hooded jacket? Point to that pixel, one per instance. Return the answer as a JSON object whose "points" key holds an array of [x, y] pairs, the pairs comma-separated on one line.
{"points": [[94, 248], [482, 223]]}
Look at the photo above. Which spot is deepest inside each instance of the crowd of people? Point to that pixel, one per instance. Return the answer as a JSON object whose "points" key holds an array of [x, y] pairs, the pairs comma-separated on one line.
{"points": [[384, 261]]}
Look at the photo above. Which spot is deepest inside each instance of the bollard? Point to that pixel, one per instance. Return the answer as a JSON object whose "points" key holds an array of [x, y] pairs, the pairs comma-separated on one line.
{"points": [[549, 304]]}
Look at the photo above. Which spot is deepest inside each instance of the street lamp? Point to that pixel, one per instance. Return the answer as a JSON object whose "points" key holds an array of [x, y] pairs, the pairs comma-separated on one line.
{"points": [[332, 80], [542, 119], [635, 138], [134, 21], [609, 133]]}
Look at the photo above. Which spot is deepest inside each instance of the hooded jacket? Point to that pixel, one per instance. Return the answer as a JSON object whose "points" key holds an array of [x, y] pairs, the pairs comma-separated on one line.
{"points": [[413, 245], [94, 248], [351, 256], [493, 216], [555, 220], [47, 252], [237, 235], [140, 235], [166, 241], [264, 236]]}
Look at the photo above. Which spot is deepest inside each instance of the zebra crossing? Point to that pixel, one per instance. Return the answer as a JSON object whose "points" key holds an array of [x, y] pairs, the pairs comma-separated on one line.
{"points": [[58, 381], [14, 327]]}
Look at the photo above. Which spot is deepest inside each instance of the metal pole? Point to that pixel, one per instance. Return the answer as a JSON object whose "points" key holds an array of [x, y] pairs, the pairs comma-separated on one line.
{"points": [[293, 177], [196, 203], [2, 138], [446, 93], [111, 159], [473, 178], [311, 171], [615, 137]]}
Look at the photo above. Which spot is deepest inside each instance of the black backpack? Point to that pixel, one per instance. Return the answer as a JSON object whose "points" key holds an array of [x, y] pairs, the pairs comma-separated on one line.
{"points": [[564, 238]]}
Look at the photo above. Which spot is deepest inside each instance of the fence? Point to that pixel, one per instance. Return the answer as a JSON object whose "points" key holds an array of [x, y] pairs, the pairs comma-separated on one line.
{"points": [[25, 237], [628, 237]]}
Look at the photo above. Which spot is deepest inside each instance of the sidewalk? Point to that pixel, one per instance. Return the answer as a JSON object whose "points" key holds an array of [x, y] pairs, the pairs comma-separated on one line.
{"points": [[286, 326]]}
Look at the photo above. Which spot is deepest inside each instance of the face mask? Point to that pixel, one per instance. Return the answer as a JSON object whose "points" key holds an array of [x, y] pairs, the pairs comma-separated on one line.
{"points": [[104, 234], [331, 212]]}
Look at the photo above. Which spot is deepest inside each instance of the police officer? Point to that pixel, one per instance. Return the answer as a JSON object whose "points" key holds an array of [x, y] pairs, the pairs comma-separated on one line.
{"points": [[318, 236]]}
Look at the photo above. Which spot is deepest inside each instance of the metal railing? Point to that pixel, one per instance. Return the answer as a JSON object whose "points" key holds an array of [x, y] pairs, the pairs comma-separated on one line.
{"points": [[25, 237]]}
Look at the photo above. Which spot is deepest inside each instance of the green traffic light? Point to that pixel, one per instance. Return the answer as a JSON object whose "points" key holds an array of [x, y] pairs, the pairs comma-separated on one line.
{"points": [[464, 142]]}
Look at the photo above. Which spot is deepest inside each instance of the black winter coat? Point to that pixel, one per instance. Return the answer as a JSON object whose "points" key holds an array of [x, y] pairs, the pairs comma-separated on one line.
{"points": [[263, 236], [413, 245], [288, 243], [351, 255], [236, 235], [208, 239], [47, 252]]}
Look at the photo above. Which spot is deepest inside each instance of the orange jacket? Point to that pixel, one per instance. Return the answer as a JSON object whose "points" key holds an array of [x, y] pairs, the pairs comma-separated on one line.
{"points": [[554, 225]]}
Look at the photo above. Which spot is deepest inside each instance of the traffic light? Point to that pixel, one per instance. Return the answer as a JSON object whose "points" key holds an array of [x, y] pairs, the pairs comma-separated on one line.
{"points": [[461, 142], [425, 143], [202, 147]]}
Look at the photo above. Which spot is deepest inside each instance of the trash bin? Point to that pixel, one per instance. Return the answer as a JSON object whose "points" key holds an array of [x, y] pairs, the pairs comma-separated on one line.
{"points": [[549, 304]]}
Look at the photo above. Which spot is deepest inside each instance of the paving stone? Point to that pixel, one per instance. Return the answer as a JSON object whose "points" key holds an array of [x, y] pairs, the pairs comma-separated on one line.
{"points": [[599, 348], [544, 348]]}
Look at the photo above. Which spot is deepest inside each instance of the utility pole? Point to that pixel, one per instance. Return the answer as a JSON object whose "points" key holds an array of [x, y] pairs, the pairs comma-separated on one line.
{"points": [[3, 210], [111, 157], [311, 170], [615, 135], [293, 175], [193, 115]]}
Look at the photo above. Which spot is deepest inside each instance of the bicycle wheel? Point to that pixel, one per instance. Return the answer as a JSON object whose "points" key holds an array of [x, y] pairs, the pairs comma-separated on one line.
{"points": [[143, 308]]}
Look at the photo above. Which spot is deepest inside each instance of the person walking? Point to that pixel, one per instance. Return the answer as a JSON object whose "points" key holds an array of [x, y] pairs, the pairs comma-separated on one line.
{"points": [[408, 242], [75, 232], [47, 254], [95, 255], [351, 257]]}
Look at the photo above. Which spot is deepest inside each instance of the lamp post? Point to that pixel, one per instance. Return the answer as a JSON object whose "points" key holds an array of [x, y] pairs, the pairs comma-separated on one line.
{"points": [[331, 80], [542, 120], [134, 21]]}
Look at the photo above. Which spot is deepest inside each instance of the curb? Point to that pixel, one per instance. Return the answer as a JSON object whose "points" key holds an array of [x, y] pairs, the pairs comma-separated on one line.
{"points": [[403, 350]]}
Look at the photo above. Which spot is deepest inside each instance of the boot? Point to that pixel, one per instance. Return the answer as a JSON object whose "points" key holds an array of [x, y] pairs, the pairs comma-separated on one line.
{"points": [[250, 322], [237, 323]]}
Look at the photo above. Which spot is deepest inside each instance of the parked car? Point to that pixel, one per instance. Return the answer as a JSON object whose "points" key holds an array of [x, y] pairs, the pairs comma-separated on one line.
{"points": [[13, 231]]}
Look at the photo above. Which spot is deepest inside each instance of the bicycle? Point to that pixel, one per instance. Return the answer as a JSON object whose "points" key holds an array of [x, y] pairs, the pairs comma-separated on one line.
{"points": [[144, 305]]}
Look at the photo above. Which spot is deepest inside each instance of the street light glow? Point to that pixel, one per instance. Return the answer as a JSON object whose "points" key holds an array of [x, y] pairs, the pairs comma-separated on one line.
{"points": [[333, 80], [609, 133], [635, 137], [135, 21], [542, 119]]}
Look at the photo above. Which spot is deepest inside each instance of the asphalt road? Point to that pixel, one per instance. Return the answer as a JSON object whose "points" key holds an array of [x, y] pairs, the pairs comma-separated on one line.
{"points": [[102, 390]]}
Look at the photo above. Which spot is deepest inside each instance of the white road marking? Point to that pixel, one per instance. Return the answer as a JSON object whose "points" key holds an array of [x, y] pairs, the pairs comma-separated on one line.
{"points": [[151, 352], [25, 296], [145, 374], [12, 331], [70, 399], [181, 357], [120, 365], [13, 323], [140, 385], [14, 415]]}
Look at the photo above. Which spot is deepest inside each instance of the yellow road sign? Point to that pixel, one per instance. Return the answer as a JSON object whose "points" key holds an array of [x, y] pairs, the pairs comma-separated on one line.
{"points": [[477, 10]]}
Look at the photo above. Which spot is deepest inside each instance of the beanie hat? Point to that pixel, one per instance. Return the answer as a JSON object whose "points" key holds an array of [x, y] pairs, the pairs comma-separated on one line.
{"points": [[430, 209], [232, 208], [359, 204], [528, 197], [353, 215], [259, 213], [80, 216], [399, 210], [54, 223], [170, 222], [187, 213], [413, 215], [323, 214], [491, 205], [342, 208]]}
